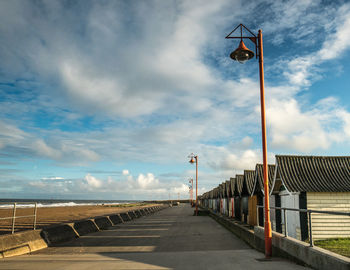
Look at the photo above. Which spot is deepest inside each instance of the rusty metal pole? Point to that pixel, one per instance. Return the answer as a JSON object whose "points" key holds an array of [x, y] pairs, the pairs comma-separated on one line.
{"points": [[196, 157], [267, 227]]}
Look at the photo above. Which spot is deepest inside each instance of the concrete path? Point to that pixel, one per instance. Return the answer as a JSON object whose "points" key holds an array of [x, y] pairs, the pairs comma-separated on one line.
{"points": [[169, 239]]}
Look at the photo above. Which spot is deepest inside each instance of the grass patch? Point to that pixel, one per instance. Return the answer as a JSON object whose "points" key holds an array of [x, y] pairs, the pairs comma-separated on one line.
{"points": [[338, 245]]}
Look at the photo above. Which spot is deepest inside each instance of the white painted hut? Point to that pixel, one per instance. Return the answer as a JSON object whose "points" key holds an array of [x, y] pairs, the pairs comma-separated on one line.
{"points": [[318, 183]]}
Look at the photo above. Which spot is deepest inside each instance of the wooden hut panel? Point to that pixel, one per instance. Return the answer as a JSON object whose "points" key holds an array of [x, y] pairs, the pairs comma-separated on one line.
{"points": [[252, 216], [329, 226]]}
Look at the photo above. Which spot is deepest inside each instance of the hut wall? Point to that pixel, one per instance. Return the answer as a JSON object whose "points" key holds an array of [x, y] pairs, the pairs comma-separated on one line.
{"points": [[293, 217], [244, 209], [231, 207], [329, 226], [272, 212], [252, 202], [217, 205], [237, 207], [228, 202], [224, 206]]}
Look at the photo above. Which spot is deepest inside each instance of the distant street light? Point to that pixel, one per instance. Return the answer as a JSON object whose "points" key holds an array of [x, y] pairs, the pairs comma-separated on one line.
{"points": [[191, 190], [242, 54], [193, 159]]}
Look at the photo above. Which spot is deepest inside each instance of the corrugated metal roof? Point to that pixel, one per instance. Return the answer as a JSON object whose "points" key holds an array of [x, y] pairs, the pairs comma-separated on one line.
{"points": [[216, 192], [314, 173], [239, 183], [259, 177], [233, 185], [249, 178]]}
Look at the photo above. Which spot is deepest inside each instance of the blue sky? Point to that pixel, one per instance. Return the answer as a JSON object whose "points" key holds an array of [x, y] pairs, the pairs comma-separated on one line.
{"points": [[106, 99]]}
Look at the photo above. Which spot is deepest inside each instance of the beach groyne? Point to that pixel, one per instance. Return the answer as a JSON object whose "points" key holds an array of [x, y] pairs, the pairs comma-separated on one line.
{"points": [[30, 241]]}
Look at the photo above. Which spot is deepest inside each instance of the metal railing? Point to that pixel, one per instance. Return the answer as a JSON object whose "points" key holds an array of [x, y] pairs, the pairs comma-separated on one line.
{"points": [[309, 213], [14, 217]]}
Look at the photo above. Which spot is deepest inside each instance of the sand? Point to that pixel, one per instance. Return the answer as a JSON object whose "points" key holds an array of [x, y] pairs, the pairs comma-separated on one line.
{"points": [[54, 215]]}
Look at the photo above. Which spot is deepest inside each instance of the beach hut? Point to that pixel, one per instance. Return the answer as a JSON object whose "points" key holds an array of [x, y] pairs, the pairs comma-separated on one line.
{"points": [[248, 199], [232, 199], [217, 199], [258, 191], [211, 196], [223, 198], [228, 196], [247, 175], [237, 196], [318, 183]]}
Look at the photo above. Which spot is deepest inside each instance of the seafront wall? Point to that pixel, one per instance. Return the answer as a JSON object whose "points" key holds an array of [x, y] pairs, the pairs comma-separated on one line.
{"points": [[30, 241], [286, 247]]}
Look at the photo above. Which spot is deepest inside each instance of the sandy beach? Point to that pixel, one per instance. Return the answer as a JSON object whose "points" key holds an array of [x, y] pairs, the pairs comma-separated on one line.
{"points": [[54, 215]]}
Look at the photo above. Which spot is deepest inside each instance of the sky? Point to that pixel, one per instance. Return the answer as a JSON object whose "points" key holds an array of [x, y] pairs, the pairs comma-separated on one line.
{"points": [[106, 99]]}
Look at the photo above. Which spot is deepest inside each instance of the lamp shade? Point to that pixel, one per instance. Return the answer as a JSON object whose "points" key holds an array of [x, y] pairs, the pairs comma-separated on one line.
{"points": [[242, 53], [192, 160]]}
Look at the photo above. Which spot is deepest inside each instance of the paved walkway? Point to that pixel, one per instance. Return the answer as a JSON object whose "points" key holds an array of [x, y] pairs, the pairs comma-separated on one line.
{"points": [[169, 239]]}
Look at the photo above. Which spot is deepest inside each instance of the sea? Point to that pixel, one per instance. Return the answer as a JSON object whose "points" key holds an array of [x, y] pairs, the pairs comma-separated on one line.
{"points": [[24, 203]]}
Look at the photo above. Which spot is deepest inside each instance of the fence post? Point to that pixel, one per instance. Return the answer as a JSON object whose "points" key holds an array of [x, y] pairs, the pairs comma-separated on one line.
{"points": [[285, 222], [35, 212], [13, 218], [310, 229]]}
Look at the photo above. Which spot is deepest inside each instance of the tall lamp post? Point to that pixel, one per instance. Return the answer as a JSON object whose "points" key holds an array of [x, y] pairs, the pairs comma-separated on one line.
{"points": [[242, 54], [194, 159]]}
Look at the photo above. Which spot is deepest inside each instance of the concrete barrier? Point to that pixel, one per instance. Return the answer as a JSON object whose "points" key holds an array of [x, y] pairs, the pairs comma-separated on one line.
{"points": [[132, 214], [59, 233], [286, 247], [125, 216], [103, 223], [116, 219], [84, 227], [21, 243], [138, 213], [315, 257]]}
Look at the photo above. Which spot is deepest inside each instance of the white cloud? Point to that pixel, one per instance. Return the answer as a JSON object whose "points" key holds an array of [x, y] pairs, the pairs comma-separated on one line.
{"points": [[92, 181], [317, 128], [339, 41], [125, 172], [147, 181], [52, 178], [44, 150]]}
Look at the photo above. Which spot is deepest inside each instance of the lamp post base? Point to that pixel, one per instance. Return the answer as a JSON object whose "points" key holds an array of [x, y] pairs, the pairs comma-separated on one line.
{"points": [[268, 240]]}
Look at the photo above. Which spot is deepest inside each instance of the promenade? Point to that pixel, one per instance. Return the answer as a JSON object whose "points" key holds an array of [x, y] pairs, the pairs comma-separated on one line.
{"points": [[170, 239]]}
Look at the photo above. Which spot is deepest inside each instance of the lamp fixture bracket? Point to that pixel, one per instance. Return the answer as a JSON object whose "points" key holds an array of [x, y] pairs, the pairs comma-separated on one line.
{"points": [[253, 38]]}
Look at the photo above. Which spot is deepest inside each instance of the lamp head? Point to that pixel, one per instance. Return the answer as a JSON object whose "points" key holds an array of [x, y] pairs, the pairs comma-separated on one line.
{"points": [[192, 160], [242, 53]]}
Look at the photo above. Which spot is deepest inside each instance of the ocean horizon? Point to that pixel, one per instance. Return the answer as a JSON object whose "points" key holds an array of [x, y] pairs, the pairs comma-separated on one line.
{"points": [[23, 203]]}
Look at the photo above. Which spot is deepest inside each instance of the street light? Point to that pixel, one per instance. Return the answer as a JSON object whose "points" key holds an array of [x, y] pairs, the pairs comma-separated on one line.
{"points": [[242, 54], [193, 159]]}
